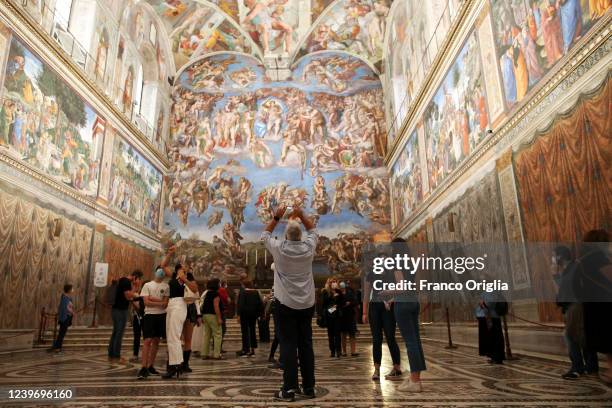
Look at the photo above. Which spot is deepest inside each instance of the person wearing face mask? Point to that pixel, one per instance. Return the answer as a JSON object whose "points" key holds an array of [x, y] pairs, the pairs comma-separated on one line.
{"points": [[332, 299], [347, 322], [176, 313], [155, 298]]}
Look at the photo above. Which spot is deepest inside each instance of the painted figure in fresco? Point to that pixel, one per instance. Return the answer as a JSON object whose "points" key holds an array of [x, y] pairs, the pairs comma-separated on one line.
{"points": [[599, 7], [507, 68], [7, 119], [320, 201], [571, 21], [261, 154], [101, 56], [551, 32], [265, 16], [128, 86], [215, 219], [272, 116], [528, 47]]}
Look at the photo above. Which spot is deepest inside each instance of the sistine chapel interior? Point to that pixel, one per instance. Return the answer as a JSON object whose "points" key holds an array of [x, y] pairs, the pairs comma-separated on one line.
{"points": [[145, 135]]}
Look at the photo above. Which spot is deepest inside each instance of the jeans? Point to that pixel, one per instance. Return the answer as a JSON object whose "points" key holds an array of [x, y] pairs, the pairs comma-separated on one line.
{"points": [[383, 320], [407, 317], [137, 329], [582, 359], [249, 336], [334, 336], [59, 341], [120, 318], [295, 329]]}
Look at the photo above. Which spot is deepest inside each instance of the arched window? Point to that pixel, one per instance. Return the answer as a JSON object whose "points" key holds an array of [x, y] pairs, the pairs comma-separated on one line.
{"points": [[61, 13]]}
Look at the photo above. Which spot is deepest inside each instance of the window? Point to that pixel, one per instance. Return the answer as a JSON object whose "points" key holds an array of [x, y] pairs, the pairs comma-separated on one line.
{"points": [[61, 13]]}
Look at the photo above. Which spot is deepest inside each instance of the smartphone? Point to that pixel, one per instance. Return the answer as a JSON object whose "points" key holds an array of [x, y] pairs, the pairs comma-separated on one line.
{"points": [[288, 211]]}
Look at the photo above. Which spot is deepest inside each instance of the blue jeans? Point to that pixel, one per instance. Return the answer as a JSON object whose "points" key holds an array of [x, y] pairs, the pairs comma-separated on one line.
{"points": [[581, 358], [407, 317], [120, 318]]}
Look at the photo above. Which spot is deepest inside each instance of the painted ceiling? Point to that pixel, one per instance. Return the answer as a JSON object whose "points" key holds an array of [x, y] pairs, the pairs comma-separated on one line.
{"points": [[278, 28]]}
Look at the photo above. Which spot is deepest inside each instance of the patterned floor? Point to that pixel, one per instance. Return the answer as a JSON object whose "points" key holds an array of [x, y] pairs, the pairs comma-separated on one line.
{"points": [[455, 378]]}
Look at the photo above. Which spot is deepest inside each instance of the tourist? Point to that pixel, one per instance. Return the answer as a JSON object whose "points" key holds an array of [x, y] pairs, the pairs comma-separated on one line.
{"points": [[271, 312], [225, 301], [127, 290], [65, 316], [176, 313], [295, 292], [378, 312], [581, 359], [192, 320], [249, 309], [492, 305], [348, 324], [406, 309], [212, 320], [594, 276], [154, 296], [331, 296], [137, 316]]}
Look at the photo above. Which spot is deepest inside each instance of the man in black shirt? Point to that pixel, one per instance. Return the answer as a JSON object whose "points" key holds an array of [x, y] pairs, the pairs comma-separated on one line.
{"points": [[127, 290]]}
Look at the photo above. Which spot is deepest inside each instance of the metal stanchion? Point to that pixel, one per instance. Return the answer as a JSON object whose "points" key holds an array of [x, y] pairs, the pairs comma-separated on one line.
{"points": [[509, 355], [448, 327]]}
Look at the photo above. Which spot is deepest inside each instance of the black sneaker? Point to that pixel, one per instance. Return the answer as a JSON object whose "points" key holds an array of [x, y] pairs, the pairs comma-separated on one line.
{"points": [[143, 373], [285, 396], [570, 375], [153, 371], [394, 375], [307, 393]]}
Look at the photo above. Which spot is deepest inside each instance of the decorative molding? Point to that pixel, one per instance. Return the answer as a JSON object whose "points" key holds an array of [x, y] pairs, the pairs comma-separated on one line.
{"points": [[578, 64], [20, 22]]}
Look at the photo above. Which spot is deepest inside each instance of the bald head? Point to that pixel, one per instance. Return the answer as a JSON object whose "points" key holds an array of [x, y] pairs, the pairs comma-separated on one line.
{"points": [[293, 231]]}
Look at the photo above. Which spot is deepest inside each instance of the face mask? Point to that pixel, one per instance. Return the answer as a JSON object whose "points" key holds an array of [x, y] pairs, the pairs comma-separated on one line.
{"points": [[159, 274], [342, 285], [334, 285], [554, 260]]}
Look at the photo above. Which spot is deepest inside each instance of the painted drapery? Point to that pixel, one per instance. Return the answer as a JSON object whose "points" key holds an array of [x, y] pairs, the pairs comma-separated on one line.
{"points": [[565, 182], [40, 251]]}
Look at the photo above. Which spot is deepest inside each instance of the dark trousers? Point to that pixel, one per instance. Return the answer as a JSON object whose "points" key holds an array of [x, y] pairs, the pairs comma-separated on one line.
{"points": [[581, 358], [334, 337], [59, 341], [137, 329], [249, 336], [295, 330], [120, 318], [483, 337], [383, 321], [275, 342], [407, 317], [496, 340]]}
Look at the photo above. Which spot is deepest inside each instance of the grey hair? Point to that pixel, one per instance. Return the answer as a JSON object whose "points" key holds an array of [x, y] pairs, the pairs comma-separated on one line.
{"points": [[293, 232]]}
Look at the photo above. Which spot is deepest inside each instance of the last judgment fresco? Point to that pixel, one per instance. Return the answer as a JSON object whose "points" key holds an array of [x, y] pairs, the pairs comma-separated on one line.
{"points": [[243, 145]]}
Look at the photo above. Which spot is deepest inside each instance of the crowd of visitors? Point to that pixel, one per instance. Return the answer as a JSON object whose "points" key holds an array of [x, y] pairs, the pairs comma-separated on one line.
{"points": [[171, 307]]}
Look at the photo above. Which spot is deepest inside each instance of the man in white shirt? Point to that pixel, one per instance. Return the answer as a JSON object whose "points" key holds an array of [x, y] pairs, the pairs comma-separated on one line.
{"points": [[295, 292], [155, 296]]}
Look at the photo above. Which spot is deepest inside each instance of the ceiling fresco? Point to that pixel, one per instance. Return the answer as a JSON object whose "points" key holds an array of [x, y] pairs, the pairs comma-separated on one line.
{"points": [[287, 29]]}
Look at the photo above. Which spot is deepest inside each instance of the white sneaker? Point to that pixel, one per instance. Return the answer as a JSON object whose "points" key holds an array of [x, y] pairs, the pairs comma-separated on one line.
{"points": [[410, 386]]}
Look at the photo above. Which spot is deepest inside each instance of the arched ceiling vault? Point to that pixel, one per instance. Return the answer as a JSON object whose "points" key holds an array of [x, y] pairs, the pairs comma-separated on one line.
{"points": [[293, 28]]}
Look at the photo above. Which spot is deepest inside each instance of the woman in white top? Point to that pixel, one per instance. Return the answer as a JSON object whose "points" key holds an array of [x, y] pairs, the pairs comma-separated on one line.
{"points": [[190, 322]]}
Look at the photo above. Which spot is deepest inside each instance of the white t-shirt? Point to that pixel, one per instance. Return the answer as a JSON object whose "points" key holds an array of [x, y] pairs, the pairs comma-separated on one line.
{"points": [[157, 291]]}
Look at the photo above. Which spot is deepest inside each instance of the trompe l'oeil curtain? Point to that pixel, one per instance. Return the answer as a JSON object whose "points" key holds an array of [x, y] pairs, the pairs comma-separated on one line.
{"points": [[565, 179], [35, 264]]}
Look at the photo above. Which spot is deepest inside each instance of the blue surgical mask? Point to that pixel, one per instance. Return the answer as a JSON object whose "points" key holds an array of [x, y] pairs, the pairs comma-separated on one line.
{"points": [[159, 274], [342, 285]]}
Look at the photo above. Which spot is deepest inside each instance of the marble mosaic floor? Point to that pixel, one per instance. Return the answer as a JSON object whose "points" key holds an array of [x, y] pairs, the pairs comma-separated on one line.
{"points": [[455, 378]]}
